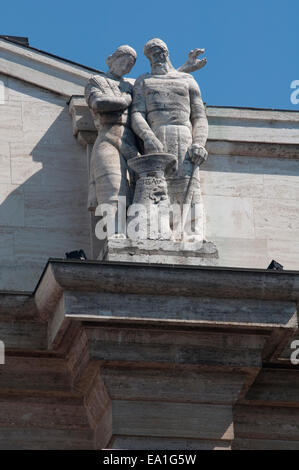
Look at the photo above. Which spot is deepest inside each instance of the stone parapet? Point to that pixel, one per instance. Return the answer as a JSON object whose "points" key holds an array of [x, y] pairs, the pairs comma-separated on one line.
{"points": [[160, 252], [132, 355]]}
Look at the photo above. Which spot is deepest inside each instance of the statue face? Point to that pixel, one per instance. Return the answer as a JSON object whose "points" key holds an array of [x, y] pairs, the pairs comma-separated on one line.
{"points": [[158, 56], [122, 65]]}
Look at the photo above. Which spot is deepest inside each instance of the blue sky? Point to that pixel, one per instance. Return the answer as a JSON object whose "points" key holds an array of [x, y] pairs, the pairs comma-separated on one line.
{"points": [[252, 46]]}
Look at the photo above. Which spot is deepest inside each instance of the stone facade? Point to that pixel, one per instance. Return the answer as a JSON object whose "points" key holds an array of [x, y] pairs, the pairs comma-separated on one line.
{"points": [[249, 182], [43, 181], [125, 355], [142, 356]]}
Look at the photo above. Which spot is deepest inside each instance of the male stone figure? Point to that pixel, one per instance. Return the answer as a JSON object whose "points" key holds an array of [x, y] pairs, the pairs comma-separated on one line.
{"points": [[109, 98], [169, 116]]}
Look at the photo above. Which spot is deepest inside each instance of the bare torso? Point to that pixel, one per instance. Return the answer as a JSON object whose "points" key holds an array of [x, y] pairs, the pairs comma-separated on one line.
{"points": [[167, 100]]}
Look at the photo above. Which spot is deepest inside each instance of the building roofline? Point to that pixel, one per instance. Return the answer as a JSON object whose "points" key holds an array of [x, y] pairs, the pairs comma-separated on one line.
{"points": [[87, 68], [18, 43], [253, 108]]}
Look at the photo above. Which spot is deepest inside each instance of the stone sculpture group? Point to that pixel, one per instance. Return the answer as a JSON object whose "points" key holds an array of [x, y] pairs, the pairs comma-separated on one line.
{"points": [[151, 138]]}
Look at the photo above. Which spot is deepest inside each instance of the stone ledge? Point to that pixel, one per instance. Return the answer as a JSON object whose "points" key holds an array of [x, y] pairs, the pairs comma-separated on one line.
{"points": [[42, 69], [265, 137], [217, 282], [160, 251], [132, 295], [127, 377]]}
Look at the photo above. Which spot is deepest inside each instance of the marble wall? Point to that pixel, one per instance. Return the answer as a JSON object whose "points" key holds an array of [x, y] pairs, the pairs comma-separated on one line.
{"points": [[249, 184], [252, 209], [43, 184]]}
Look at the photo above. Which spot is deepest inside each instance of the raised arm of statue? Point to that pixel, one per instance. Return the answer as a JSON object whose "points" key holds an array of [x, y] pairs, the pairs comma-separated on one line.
{"points": [[193, 63], [139, 123]]}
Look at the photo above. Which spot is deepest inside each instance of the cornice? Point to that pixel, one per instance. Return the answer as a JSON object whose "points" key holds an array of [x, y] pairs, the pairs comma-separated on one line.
{"points": [[42, 69]]}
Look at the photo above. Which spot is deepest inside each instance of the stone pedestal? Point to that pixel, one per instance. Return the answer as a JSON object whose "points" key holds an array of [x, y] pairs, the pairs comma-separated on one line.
{"points": [[151, 196], [160, 251]]}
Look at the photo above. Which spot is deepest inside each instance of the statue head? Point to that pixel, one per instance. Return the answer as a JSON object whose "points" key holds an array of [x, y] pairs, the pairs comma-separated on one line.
{"points": [[157, 52], [122, 60]]}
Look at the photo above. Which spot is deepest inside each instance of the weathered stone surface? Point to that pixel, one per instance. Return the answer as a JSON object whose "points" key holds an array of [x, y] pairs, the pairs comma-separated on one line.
{"points": [[35, 374], [253, 149], [129, 278], [267, 422], [160, 251], [52, 243], [20, 278], [160, 443], [25, 335], [240, 252], [3, 88], [264, 444], [179, 127], [5, 172], [10, 121], [6, 245], [225, 176], [114, 306], [59, 412], [43, 210], [276, 216], [124, 382], [81, 117], [246, 145], [17, 306], [11, 205], [157, 348], [276, 387], [39, 158], [165, 420], [42, 70], [103, 347], [178, 385], [39, 438], [253, 125], [229, 217], [109, 98], [281, 186], [250, 171]]}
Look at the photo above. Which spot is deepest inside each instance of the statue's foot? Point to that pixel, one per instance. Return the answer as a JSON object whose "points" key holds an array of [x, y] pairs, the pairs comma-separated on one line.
{"points": [[192, 239]]}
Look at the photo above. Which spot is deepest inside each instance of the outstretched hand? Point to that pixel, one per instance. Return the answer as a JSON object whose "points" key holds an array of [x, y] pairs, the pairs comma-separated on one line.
{"points": [[193, 63], [193, 54]]}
